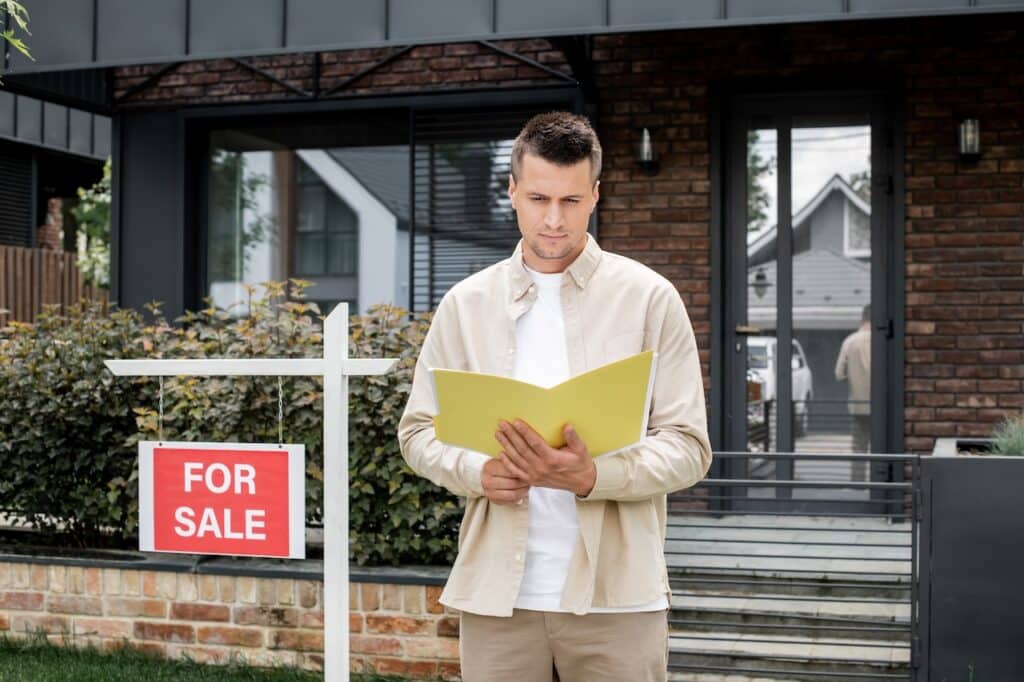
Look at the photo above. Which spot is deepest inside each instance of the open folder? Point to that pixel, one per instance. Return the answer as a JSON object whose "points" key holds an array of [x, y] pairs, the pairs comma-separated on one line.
{"points": [[607, 406]]}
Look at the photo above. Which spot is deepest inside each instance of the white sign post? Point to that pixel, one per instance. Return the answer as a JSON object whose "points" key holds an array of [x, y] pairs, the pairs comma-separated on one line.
{"points": [[335, 367]]}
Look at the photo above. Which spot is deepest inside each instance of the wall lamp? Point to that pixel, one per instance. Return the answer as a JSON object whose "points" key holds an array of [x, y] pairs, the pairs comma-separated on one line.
{"points": [[969, 140], [646, 156]]}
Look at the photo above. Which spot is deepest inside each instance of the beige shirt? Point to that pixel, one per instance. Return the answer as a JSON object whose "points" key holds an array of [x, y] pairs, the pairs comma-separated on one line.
{"points": [[613, 307], [854, 363]]}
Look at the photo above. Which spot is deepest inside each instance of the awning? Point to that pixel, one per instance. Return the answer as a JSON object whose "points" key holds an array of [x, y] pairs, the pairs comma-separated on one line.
{"points": [[81, 34]]}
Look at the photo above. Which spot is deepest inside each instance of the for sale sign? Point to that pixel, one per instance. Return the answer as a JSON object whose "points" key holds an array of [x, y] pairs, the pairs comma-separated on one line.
{"points": [[222, 498]]}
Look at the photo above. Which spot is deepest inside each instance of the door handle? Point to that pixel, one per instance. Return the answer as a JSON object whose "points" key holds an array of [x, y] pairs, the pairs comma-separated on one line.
{"points": [[747, 330]]}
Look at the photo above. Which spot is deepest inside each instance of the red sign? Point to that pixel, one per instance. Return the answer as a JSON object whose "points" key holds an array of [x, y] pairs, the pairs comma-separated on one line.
{"points": [[222, 498]]}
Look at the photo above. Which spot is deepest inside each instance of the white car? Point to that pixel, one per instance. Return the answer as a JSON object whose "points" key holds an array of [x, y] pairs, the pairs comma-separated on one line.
{"points": [[761, 364]]}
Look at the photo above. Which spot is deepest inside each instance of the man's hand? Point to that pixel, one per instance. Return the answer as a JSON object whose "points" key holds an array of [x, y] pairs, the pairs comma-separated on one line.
{"points": [[530, 458], [500, 485]]}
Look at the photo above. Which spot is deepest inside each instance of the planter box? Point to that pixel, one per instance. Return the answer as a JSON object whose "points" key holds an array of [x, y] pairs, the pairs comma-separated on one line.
{"points": [[971, 603], [960, 447]]}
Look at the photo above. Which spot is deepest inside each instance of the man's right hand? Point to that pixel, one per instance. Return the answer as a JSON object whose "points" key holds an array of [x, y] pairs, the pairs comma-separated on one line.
{"points": [[500, 485]]}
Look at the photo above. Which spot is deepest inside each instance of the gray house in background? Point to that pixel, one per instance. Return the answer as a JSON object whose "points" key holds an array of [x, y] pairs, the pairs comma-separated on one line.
{"points": [[831, 285]]}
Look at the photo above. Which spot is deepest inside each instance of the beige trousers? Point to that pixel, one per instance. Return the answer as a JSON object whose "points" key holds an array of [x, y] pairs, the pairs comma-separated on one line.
{"points": [[543, 646]]}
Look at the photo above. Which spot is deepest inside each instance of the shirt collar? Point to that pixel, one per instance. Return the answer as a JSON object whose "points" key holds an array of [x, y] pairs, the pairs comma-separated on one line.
{"points": [[581, 270]]}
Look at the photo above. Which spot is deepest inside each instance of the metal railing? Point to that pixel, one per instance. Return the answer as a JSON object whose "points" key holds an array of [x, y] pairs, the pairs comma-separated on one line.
{"points": [[796, 579]]}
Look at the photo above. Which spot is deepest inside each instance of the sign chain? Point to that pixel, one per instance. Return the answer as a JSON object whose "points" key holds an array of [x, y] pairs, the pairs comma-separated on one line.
{"points": [[280, 413], [160, 428]]}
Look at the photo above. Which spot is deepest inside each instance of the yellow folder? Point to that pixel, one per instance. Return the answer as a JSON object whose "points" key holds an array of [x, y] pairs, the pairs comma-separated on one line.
{"points": [[607, 406]]}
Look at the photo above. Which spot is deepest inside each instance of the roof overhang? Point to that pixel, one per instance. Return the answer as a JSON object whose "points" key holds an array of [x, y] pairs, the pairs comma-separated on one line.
{"points": [[77, 34], [50, 126]]}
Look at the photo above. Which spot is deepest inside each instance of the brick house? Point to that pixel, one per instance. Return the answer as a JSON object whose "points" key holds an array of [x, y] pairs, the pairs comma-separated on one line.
{"points": [[200, 123], [750, 109]]}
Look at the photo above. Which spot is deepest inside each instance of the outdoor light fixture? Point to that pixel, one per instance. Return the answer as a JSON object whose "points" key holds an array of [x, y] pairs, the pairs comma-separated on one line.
{"points": [[760, 283], [646, 157], [969, 139]]}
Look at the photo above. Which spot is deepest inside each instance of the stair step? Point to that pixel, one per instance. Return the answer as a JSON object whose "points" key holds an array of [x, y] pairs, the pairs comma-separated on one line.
{"points": [[691, 676], [700, 561], [834, 608], [786, 588], [797, 656]]}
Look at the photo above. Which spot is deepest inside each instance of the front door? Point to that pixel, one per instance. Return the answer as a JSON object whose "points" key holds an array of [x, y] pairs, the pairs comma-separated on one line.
{"points": [[808, 317]]}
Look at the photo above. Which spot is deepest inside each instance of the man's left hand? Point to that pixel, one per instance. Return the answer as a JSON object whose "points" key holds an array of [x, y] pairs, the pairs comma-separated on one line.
{"points": [[528, 456]]}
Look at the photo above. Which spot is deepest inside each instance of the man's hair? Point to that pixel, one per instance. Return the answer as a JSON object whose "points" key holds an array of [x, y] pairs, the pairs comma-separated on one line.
{"points": [[561, 138], [865, 315]]}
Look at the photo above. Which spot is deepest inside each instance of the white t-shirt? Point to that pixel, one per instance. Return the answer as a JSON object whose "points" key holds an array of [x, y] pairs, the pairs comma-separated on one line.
{"points": [[542, 359]]}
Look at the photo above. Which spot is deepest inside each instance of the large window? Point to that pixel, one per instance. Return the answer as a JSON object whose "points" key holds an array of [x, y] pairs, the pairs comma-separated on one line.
{"points": [[349, 203]]}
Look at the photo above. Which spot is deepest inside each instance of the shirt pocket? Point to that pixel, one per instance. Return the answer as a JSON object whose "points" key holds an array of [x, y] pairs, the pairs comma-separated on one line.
{"points": [[622, 345]]}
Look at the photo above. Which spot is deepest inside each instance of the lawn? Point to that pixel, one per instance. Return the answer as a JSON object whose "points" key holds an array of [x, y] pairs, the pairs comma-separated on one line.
{"points": [[40, 661]]}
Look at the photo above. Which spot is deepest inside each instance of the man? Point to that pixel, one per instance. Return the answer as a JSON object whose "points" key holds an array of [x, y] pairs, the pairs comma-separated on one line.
{"points": [[854, 363], [561, 560]]}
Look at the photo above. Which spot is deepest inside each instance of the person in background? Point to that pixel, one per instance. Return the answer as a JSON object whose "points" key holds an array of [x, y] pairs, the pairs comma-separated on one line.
{"points": [[854, 365]]}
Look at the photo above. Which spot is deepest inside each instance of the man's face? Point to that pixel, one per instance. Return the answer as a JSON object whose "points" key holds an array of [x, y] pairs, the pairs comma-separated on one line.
{"points": [[553, 205]]}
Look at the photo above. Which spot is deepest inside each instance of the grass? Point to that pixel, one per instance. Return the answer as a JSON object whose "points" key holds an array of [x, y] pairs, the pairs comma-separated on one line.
{"points": [[40, 661]]}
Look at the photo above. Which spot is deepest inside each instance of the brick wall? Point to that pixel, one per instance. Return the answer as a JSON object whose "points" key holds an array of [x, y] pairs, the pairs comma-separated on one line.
{"points": [[964, 263], [427, 67], [399, 629]]}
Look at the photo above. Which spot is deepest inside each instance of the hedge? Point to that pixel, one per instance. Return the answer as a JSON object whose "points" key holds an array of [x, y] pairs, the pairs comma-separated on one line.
{"points": [[69, 429]]}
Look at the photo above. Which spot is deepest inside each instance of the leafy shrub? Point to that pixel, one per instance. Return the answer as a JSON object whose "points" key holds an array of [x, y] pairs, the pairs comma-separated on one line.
{"points": [[1009, 437], [69, 429]]}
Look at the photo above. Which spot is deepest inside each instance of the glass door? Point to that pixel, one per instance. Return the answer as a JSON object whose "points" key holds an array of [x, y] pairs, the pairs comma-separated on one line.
{"points": [[808, 192]]}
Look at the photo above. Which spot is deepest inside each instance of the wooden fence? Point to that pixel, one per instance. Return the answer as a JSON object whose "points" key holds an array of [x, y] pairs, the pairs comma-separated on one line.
{"points": [[32, 278]]}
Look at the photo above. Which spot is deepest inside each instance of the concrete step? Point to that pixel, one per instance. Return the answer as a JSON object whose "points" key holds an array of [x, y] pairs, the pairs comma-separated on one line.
{"points": [[786, 657], [739, 583], [836, 618]]}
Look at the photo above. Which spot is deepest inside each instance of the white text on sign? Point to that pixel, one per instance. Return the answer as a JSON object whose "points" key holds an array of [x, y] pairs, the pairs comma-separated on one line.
{"points": [[218, 479]]}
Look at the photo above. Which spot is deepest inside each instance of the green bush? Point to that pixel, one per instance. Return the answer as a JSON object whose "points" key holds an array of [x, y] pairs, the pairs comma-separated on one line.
{"points": [[69, 429], [1009, 437]]}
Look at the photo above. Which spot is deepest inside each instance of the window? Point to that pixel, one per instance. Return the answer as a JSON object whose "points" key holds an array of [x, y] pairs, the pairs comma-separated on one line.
{"points": [[856, 232], [326, 229], [757, 357]]}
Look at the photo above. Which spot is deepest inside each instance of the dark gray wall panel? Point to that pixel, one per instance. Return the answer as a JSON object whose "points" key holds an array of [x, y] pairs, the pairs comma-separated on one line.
{"points": [[38, 123], [150, 222], [782, 8], [101, 137], [7, 114], [971, 562], [327, 22], [55, 125], [30, 119], [415, 19], [61, 34], [129, 29], [857, 6], [80, 132], [235, 26], [139, 31], [630, 12], [549, 15]]}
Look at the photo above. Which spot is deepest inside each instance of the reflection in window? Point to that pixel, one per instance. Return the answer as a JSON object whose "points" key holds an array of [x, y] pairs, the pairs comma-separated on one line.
{"points": [[242, 229], [327, 229]]}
